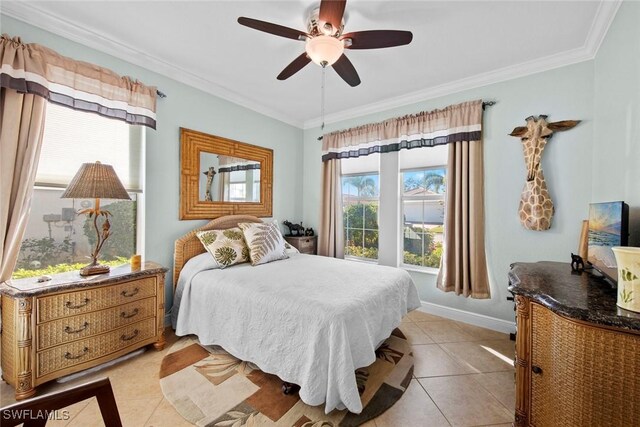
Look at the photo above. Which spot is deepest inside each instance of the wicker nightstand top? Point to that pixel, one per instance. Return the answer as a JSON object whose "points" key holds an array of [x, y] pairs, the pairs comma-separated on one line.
{"points": [[72, 280]]}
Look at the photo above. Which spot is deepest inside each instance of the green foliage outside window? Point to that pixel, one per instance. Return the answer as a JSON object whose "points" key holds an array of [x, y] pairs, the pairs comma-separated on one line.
{"points": [[414, 239], [361, 237], [361, 229], [431, 259], [43, 252]]}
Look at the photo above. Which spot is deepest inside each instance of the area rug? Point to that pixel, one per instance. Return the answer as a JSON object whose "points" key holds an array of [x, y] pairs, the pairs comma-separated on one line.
{"points": [[210, 387]]}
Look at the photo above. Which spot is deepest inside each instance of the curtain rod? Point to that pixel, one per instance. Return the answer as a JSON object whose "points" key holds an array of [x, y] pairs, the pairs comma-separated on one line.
{"points": [[484, 105]]}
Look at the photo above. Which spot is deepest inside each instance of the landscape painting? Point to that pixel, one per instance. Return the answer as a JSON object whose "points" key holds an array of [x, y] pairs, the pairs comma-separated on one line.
{"points": [[607, 225]]}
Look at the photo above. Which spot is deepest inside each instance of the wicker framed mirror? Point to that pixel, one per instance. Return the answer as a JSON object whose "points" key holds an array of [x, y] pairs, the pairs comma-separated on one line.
{"points": [[220, 176]]}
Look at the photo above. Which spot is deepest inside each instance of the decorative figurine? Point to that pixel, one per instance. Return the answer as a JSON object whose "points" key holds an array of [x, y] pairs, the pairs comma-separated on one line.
{"points": [[294, 229], [577, 263], [309, 232]]}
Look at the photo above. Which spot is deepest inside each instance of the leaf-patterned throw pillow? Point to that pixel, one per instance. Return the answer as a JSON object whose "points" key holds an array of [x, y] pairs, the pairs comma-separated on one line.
{"points": [[265, 242], [227, 247]]}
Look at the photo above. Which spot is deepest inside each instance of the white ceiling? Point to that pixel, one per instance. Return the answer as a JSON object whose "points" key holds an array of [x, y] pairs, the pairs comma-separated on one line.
{"points": [[456, 45]]}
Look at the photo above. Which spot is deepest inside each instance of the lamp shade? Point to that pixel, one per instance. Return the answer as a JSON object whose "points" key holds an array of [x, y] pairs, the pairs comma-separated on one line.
{"points": [[95, 181]]}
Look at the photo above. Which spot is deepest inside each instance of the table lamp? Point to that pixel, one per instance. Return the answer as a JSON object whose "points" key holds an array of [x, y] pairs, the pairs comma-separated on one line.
{"points": [[96, 181]]}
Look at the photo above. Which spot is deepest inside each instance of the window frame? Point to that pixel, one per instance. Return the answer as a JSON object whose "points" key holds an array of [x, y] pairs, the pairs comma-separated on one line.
{"points": [[401, 222], [344, 226]]}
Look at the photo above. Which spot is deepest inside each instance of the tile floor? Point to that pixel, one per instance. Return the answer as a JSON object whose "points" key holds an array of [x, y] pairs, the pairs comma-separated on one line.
{"points": [[463, 376]]}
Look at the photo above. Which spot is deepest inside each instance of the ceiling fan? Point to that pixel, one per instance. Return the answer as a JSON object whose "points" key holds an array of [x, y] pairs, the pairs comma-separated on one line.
{"points": [[325, 41]]}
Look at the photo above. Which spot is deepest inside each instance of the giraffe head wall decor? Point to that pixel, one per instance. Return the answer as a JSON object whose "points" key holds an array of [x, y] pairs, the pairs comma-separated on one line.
{"points": [[536, 207]]}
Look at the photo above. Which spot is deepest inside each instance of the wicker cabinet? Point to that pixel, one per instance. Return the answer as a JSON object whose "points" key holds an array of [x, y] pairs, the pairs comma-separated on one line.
{"points": [[71, 323], [305, 244], [574, 367]]}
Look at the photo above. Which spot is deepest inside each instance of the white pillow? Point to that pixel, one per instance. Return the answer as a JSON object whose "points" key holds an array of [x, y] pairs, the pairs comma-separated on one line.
{"points": [[227, 247], [265, 242]]}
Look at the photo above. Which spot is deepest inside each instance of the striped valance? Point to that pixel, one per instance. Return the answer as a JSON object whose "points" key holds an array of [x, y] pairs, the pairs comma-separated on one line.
{"points": [[35, 69], [461, 122], [245, 167]]}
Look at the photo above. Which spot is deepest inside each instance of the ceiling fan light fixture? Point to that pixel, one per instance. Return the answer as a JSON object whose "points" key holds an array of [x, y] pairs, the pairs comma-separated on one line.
{"points": [[324, 50]]}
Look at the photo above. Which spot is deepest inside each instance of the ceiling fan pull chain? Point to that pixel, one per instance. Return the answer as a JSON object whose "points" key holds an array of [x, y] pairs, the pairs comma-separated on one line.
{"points": [[324, 69]]}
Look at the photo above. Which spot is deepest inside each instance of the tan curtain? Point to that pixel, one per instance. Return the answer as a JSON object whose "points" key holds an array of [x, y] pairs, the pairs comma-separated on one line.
{"points": [[463, 267], [32, 68], [331, 237], [21, 130]]}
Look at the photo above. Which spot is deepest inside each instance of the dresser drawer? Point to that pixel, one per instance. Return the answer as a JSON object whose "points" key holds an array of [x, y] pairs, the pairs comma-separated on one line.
{"points": [[82, 351], [97, 322], [93, 299]]}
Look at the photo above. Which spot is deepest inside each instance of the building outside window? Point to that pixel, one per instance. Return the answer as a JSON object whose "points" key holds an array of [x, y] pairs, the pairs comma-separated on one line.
{"points": [[56, 238]]}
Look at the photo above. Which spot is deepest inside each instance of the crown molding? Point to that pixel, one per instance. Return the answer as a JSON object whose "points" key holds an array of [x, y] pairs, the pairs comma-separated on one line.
{"points": [[31, 14], [605, 14], [27, 12]]}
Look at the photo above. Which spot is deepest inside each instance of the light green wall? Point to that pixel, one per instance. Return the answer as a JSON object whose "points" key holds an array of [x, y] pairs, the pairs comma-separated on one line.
{"points": [[193, 109], [565, 93], [616, 159]]}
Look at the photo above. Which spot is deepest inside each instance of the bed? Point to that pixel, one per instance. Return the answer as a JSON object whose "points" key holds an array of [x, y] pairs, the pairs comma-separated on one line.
{"points": [[310, 320]]}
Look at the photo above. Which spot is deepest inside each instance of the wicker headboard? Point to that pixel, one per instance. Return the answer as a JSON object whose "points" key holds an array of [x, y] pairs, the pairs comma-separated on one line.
{"points": [[188, 246]]}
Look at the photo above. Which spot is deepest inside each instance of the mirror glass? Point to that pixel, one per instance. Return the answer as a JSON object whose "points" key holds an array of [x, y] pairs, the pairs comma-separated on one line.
{"points": [[228, 179]]}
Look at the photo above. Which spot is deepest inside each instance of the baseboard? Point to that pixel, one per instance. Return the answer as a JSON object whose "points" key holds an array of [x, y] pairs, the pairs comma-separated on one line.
{"points": [[476, 319]]}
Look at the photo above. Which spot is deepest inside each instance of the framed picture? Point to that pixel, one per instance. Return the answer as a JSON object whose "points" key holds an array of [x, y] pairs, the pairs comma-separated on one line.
{"points": [[608, 227]]}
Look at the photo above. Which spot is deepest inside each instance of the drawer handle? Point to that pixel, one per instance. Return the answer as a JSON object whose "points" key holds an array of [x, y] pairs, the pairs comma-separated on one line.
{"points": [[70, 356], [69, 304], [68, 329], [130, 337], [125, 294], [130, 315], [536, 369]]}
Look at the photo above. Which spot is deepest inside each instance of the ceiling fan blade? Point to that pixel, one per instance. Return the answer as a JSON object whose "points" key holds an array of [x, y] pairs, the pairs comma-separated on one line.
{"points": [[295, 66], [270, 28], [376, 39], [331, 11], [347, 71]]}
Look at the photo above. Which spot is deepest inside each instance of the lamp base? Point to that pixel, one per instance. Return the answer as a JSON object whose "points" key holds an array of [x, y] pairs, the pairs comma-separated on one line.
{"points": [[92, 269]]}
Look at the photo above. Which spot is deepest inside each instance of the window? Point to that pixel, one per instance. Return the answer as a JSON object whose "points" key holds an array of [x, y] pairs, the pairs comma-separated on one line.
{"points": [[56, 239], [422, 190], [423, 216], [400, 198], [243, 186], [360, 207], [360, 201]]}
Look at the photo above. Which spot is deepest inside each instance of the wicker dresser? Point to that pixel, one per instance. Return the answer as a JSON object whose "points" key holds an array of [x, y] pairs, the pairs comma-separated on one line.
{"points": [[305, 244], [72, 323], [577, 353]]}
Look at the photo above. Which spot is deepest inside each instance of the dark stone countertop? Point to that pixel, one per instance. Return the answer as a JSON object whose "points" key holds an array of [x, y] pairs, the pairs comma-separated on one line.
{"points": [[574, 295], [72, 280]]}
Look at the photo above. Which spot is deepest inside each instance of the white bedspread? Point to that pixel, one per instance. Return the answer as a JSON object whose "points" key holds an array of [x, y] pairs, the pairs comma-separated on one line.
{"points": [[310, 320]]}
